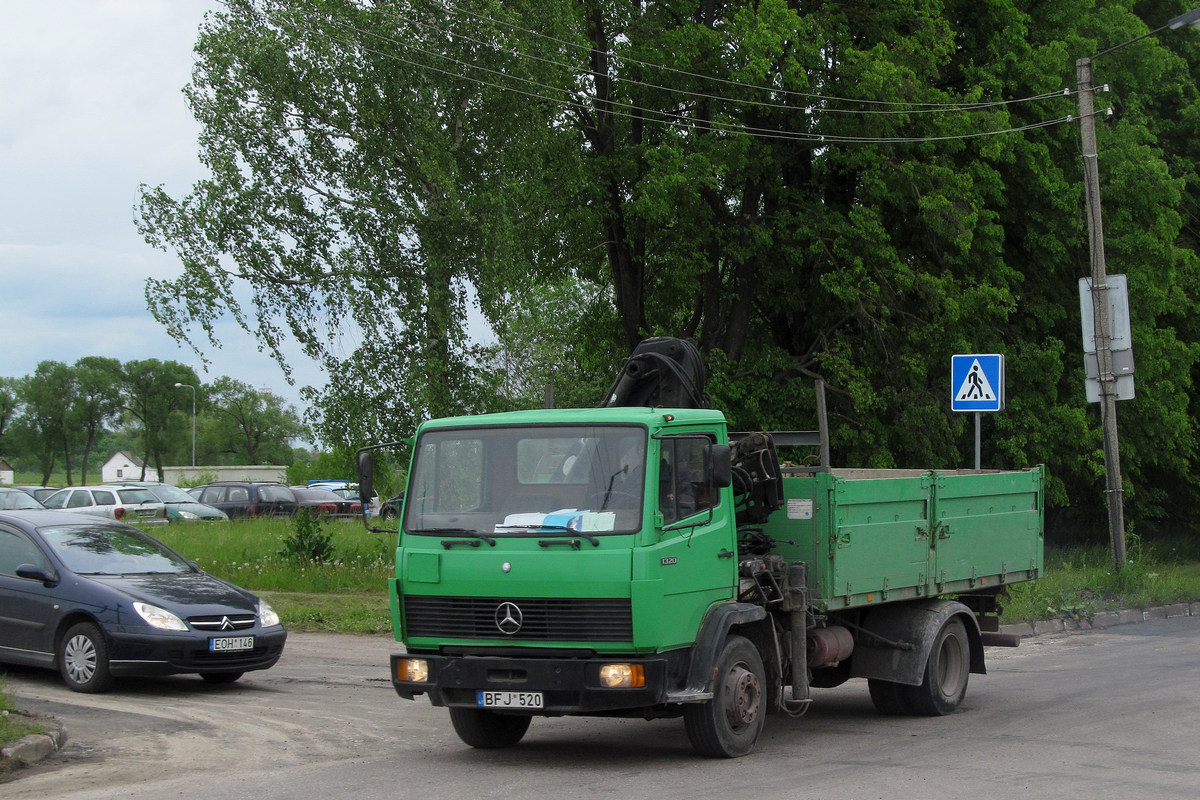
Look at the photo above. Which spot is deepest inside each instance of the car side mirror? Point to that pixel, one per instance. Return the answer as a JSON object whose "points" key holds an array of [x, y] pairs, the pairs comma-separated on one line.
{"points": [[30, 572]]}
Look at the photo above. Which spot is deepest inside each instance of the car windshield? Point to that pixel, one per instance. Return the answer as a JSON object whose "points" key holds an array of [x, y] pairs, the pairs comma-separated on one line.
{"points": [[170, 494], [109, 550], [16, 499], [522, 481]]}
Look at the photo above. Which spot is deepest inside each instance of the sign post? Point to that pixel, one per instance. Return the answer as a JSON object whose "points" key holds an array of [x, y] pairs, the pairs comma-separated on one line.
{"points": [[977, 384]]}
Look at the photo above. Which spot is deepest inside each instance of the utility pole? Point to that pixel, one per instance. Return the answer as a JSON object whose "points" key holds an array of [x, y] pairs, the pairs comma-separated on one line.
{"points": [[1103, 332], [1115, 490]]}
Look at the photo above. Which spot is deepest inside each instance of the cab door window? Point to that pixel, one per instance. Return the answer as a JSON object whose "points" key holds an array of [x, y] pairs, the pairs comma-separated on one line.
{"points": [[684, 477]]}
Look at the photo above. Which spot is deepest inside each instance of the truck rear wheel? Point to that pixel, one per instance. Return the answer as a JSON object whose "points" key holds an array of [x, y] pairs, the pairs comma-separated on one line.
{"points": [[728, 725], [946, 673], [889, 698], [488, 730]]}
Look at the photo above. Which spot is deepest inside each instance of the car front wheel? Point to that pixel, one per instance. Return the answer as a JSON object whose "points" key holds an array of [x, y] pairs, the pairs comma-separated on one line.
{"points": [[83, 659]]}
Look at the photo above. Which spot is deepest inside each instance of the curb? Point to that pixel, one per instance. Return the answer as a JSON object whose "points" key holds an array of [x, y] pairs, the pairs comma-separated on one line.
{"points": [[1105, 619], [35, 747]]}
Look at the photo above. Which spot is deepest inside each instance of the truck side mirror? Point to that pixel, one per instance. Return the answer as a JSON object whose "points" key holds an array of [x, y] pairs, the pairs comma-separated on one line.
{"points": [[722, 465], [366, 476]]}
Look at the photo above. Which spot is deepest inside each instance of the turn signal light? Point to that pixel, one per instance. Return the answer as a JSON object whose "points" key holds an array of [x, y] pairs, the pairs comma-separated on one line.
{"points": [[622, 676]]}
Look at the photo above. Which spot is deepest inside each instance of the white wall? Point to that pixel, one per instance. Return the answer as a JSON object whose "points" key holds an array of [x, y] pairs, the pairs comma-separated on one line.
{"points": [[194, 475]]}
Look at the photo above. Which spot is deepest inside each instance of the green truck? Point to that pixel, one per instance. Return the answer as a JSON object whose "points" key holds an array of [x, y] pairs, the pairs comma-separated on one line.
{"points": [[636, 560]]}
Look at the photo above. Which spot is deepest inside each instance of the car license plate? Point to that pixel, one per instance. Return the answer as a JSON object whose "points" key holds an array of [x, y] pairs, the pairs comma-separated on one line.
{"points": [[229, 644], [510, 699]]}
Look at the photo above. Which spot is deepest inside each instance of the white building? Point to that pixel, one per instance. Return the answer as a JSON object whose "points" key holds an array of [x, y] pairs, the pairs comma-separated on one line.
{"points": [[124, 466], [7, 476]]}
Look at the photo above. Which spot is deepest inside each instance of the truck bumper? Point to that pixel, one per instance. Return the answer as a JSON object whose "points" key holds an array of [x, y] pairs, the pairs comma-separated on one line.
{"points": [[568, 686]]}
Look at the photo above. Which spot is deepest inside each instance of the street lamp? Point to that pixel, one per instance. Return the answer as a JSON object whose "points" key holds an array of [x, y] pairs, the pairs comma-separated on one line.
{"points": [[1103, 331], [193, 388]]}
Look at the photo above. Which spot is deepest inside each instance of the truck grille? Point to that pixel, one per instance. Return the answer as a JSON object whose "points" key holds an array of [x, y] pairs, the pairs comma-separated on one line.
{"points": [[542, 619]]}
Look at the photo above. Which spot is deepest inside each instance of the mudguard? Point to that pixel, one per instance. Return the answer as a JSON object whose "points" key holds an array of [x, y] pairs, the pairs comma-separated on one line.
{"points": [[717, 623], [895, 640]]}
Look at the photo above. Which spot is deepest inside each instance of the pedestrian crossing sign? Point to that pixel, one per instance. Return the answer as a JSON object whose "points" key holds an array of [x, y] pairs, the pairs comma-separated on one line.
{"points": [[977, 382]]}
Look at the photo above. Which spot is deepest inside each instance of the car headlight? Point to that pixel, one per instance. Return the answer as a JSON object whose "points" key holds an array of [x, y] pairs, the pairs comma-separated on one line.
{"points": [[159, 617], [187, 515], [266, 615]]}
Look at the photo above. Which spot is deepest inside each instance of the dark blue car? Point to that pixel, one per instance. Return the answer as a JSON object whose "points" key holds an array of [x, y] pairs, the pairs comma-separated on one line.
{"points": [[97, 599]]}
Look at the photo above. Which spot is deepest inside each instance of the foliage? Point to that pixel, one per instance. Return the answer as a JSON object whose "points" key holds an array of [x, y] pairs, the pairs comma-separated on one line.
{"points": [[62, 414], [309, 542], [808, 190], [245, 426]]}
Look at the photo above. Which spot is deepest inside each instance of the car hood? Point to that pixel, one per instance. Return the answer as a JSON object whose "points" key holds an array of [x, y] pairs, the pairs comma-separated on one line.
{"points": [[199, 509], [184, 594]]}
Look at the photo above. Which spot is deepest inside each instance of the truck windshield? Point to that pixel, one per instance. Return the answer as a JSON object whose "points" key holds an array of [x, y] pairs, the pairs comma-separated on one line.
{"points": [[528, 481]]}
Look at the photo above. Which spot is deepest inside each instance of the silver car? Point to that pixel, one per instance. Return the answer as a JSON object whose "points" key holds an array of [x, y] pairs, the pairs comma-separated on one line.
{"points": [[125, 504]]}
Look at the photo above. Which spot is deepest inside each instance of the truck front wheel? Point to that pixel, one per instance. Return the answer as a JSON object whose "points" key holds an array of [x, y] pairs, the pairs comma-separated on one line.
{"points": [[945, 682], [728, 725], [488, 730]]}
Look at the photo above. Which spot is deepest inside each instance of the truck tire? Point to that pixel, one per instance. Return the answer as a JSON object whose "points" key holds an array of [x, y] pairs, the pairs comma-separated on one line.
{"points": [[488, 730], [889, 698], [728, 725], [946, 673]]}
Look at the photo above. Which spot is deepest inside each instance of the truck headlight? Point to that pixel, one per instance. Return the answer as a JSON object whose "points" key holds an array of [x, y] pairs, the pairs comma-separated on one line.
{"points": [[622, 676], [412, 670]]}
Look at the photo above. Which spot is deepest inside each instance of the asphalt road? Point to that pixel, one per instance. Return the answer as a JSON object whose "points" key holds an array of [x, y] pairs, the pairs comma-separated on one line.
{"points": [[1102, 714]]}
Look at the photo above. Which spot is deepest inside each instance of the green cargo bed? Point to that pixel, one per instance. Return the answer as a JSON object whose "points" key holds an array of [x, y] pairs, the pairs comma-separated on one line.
{"points": [[874, 536]]}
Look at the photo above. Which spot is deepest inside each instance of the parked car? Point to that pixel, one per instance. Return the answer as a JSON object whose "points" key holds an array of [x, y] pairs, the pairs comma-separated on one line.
{"points": [[245, 499], [326, 504], [181, 506], [13, 499], [350, 491], [128, 504], [391, 509], [39, 493], [97, 599]]}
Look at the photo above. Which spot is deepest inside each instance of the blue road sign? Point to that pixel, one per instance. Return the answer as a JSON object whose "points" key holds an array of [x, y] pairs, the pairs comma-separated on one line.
{"points": [[977, 382]]}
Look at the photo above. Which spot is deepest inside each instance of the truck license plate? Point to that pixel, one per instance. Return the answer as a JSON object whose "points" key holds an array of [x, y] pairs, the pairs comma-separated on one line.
{"points": [[510, 699], [229, 644]]}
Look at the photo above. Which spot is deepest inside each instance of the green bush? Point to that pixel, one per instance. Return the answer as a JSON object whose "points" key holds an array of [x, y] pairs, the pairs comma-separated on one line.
{"points": [[309, 543]]}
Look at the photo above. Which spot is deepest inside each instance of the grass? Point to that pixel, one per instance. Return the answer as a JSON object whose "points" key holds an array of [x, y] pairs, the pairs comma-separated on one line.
{"points": [[13, 725], [346, 593], [1080, 582]]}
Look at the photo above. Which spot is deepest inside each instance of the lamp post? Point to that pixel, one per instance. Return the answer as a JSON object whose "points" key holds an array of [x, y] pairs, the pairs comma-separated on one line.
{"points": [[193, 388], [1103, 331]]}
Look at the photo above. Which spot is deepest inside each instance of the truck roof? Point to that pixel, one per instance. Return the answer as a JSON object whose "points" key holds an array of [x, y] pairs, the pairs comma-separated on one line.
{"points": [[653, 418]]}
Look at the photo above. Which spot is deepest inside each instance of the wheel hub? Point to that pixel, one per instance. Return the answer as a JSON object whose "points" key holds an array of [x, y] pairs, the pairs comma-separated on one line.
{"points": [[744, 696]]}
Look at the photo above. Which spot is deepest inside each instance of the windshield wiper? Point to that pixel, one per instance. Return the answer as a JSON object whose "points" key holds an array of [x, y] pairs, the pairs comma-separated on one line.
{"points": [[559, 529], [476, 536]]}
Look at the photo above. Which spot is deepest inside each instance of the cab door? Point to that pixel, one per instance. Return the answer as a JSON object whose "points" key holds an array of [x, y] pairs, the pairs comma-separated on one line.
{"points": [[692, 562]]}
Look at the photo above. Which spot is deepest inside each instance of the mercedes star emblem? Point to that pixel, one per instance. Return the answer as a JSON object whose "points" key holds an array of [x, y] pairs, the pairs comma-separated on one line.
{"points": [[508, 618]]}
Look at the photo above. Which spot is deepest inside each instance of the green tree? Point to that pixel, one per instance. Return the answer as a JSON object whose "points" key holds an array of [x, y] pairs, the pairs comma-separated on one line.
{"points": [[249, 426], [48, 396], [835, 190], [97, 402], [150, 397], [10, 405]]}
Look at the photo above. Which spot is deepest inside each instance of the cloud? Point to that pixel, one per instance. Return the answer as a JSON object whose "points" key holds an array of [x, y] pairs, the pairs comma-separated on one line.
{"points": [[91, 107]]}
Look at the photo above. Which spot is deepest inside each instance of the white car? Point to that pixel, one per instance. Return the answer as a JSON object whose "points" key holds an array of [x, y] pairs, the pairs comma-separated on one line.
{"points": [[126, 504]]}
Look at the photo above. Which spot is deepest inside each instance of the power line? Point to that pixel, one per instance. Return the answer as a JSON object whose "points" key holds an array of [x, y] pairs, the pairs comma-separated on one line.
{"points": [[640, 112], [906, 109]]}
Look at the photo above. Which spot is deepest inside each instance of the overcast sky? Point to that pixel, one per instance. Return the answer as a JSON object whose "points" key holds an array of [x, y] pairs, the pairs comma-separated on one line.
{"points": [[91, 106]]}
